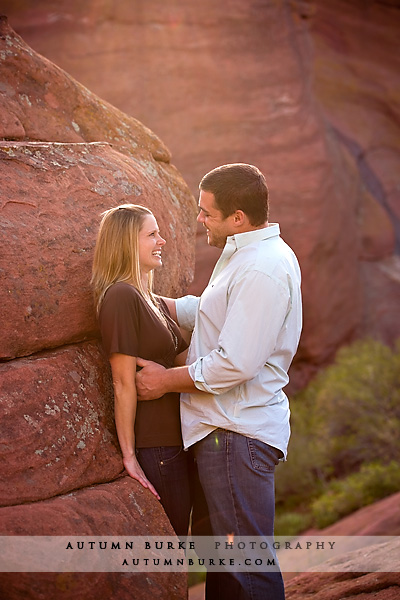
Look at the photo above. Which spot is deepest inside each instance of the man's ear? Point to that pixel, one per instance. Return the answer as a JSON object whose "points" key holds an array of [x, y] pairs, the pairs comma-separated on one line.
{"points": [[239, 218]]}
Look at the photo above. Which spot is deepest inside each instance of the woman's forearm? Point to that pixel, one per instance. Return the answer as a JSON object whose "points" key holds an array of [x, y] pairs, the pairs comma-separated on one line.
{"points": [[123, 369], [125, 402]]}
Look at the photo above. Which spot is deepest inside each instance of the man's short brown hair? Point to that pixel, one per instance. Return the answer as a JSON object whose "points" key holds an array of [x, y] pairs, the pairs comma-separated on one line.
{"points": [[238, 186]]}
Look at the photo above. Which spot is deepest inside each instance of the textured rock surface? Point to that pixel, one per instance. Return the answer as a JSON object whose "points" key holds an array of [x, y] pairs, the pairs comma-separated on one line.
{"points": [[335, 586], [121, 508], [74, 157], [39, 101], [57, 426], [314, 103], [357, 82], [379, 519], [308, 91], [91, 586], [53, 195]]}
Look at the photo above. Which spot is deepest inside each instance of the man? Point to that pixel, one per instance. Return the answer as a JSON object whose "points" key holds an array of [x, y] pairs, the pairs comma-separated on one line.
{"points": [[246, 331]]}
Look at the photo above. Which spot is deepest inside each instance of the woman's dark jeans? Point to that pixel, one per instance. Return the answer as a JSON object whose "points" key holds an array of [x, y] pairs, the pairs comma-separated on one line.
{"points": [[168, 469]]}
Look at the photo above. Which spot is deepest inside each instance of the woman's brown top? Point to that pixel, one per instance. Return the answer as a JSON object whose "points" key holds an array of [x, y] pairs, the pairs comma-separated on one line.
{"points": [[129, 326]]}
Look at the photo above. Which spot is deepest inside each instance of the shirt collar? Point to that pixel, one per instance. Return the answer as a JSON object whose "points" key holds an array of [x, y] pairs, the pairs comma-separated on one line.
{"points": [[249, 237]]}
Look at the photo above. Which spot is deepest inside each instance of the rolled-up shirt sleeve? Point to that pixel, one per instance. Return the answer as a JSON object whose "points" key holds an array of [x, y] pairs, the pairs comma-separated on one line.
{"points": [[186, 310], [257, 308]]}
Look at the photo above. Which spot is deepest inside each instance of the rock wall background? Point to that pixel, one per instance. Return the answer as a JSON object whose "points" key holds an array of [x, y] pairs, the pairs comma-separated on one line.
{"points": [[66, 156], [307, 90]]}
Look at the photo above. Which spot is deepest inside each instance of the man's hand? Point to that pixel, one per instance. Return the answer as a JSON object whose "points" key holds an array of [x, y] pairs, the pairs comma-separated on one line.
{"points": [[149, 380]]}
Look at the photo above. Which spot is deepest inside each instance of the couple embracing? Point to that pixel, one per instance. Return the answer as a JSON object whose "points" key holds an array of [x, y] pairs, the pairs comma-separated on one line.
{"points": [[223, 395]]}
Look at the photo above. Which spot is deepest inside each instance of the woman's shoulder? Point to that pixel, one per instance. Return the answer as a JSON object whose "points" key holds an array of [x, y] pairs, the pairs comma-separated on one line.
{"points": [[122, 288], [121, 293]]}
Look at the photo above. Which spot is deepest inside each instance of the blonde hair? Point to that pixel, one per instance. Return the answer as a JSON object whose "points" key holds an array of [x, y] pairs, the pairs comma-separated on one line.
{"points": [[116, 254]]}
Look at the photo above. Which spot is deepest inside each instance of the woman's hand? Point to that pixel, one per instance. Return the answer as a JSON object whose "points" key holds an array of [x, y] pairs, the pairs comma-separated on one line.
{"points": [[135, 471]]}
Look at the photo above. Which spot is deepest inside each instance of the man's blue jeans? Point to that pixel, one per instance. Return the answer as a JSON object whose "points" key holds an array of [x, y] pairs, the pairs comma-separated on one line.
{"points": [[237, 477]]}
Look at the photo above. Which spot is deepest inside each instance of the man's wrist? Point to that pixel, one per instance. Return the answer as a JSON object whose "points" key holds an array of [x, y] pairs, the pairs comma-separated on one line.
{"points": [[178, 379], [169, 380]]}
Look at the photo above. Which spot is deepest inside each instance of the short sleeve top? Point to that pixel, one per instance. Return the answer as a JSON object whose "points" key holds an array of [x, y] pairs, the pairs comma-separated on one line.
{"points": [[128, 325]]}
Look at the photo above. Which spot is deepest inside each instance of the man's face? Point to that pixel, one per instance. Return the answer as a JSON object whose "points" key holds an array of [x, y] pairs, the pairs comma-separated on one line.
{"points": [[218, 228]]}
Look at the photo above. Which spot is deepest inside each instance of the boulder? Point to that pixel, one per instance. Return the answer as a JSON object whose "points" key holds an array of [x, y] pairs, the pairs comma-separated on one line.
{"points": [[91, 586], [67, 156], [378, 519], [57, 427], [121, 508], [39, 101], [54, 193], [53, 197], [352, 586]]}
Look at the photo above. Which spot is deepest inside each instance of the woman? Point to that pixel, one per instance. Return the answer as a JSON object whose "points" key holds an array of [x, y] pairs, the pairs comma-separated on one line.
{"points": [[136, 323]]}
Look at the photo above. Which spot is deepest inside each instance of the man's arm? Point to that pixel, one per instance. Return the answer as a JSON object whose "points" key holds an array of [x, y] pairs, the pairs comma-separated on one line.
{"points": [[186, 310], [170, 302], [183, 310], [154, 380], [257, 307], [247, 339]]}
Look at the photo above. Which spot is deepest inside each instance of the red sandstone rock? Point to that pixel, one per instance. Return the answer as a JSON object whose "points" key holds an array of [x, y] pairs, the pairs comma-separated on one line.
{"points": [[92, 586], [57, 426], [53, 194], [57, 430], [377, 234], [313, 183], [380, 518], [312, 104], [381, 301], [42, 102], [356, 72], [121, 508], [52, 199], [352, 586]]}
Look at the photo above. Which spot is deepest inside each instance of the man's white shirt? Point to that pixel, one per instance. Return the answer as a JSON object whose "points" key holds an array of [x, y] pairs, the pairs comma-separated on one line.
{"points": [[246, 329]]}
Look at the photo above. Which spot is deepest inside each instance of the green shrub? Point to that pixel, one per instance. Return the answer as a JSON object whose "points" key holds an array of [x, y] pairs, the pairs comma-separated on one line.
{"points": [[195, 577], [356, 403], [291, 523], [348, 416], [371, 483]]}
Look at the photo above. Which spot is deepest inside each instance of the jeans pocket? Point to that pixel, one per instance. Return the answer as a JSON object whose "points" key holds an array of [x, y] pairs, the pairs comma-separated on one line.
{"points": [[262, 456], [169, 454]]}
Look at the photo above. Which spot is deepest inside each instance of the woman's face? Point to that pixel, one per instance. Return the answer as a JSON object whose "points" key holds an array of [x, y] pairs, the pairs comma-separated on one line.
{"points": [[150, 244]]}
